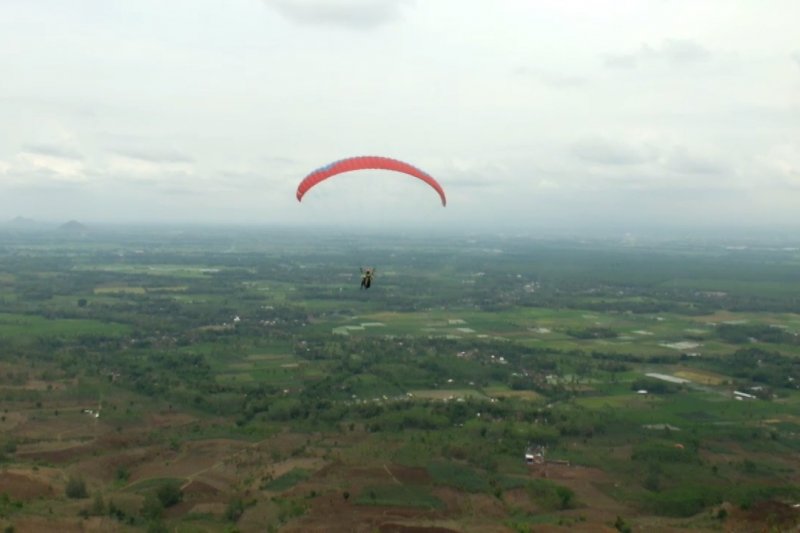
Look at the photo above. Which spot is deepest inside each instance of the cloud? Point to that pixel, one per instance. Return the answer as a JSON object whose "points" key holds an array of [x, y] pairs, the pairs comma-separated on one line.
{"points": [[551, 79], [41, 173], [43, 166], [182, 192], [796, 57], [672, 51], [783, 163], [133, 170], [606, 152], [469, 172], [679, 51], [279, 160], [353, 14], [620, 61], [249, 180], [37, 166], [470, 183], [610, 164], [680, 160], [154, 156], [52, 151]]}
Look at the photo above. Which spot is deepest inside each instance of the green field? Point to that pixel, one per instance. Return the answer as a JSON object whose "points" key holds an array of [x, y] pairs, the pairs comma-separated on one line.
{"points": [[27, 326]]}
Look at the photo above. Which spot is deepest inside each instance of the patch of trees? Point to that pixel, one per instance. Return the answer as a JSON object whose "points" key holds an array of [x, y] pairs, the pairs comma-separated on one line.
{"points": [[622, 357], [752, 303], [686, 500], [768, 368], [551, 495], [586, 426], [76, 488], [689, 499], [656, 386], [654, 306], [595, 332], [658, 452], [745, 333], [411, 417]]}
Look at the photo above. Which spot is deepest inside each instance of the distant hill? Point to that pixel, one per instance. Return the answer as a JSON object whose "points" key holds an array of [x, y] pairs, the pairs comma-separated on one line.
{"points": [[22, 221], [72, 225]]}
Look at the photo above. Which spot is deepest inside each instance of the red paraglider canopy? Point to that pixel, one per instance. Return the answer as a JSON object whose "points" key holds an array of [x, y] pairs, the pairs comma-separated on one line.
{"points": [[366, 162]]}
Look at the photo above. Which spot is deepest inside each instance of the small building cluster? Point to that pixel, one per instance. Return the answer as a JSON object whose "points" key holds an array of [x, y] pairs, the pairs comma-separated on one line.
{"points": [[534, 455]]}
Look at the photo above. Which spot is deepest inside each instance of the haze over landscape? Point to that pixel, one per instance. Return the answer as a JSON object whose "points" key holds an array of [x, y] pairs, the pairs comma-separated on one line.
{"points": [[579, 115]]}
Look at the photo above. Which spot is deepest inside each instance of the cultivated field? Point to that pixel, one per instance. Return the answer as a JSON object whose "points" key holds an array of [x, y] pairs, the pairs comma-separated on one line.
{"points": [[152, 384]]}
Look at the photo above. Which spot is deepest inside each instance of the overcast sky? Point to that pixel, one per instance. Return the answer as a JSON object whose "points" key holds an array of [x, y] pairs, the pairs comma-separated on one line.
{"points": [[601, 113]]}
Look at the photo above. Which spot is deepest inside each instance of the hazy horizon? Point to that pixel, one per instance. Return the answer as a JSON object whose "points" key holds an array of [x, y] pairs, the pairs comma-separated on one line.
{"points": [[647, 235], [593, 117]]}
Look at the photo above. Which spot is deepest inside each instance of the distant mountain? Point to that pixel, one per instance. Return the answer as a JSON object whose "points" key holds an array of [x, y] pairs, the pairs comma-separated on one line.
{"points": [[72, 225], [22, 221]]}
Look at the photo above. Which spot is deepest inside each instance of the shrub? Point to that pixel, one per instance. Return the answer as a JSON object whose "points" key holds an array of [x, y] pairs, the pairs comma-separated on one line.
{"points": [[169, 494], [76, 488]]}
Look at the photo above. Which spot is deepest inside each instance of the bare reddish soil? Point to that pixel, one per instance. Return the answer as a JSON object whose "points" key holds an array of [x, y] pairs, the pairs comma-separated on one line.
{"points": [[764, 516], [399, 528], [22, 487]]}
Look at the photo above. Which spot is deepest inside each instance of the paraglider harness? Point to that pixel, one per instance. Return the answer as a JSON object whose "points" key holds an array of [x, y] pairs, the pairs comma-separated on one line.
{"points": [[366, 277]]}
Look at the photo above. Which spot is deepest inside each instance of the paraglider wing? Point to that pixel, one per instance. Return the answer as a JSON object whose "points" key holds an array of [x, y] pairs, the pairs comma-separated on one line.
{"points": [[362, 163]]}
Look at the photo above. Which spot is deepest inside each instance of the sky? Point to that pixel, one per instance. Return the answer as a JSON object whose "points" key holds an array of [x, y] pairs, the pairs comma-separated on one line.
{"points": [[531, 114]]}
